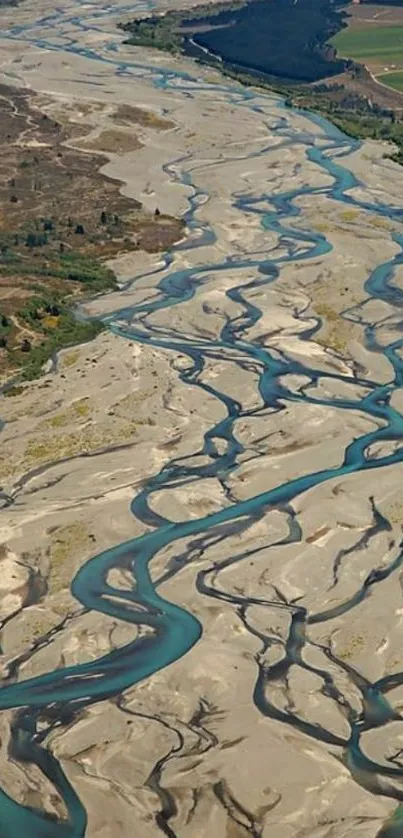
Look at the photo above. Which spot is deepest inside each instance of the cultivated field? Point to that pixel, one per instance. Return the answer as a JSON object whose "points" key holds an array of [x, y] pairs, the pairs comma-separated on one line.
{"points": [[374, 37], [394, 80]]}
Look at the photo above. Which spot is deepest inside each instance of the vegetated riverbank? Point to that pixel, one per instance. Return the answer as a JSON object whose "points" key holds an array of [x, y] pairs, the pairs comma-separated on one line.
{"points": [[353, 114], [351, 111], [347, 100], [60, 219]]}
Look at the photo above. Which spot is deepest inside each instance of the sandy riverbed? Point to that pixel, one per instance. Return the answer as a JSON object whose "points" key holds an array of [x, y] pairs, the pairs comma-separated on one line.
{"points": [[78, 444]]}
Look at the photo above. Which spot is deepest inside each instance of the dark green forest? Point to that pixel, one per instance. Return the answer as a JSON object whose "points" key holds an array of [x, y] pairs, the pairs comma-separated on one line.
{"points": [[286, 40]]}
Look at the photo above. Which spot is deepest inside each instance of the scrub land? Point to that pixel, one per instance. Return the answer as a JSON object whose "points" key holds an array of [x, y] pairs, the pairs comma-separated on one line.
{"points": [[54, 244]]}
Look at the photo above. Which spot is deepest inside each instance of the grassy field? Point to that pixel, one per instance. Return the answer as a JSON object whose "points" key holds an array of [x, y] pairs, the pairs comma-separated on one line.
{"points": [[394, 80], [380, 48], [371, 44]]}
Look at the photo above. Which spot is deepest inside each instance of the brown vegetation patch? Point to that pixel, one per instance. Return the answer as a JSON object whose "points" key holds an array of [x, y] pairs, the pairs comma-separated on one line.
{"points": [[130, 115], [335, 332], [59, 216], [366, 86], [67, 546], [359, 15], [112, 142]]}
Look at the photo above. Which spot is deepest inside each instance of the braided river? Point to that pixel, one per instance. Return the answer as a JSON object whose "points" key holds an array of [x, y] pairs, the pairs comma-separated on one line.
{"points": [[171, 629]]}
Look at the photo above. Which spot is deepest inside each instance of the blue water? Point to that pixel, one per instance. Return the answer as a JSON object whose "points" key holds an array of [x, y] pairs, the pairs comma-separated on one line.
{"points": [[59, 694]]}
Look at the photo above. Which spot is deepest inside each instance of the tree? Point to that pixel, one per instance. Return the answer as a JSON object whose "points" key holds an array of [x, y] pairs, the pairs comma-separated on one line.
{"points": [[104, 217], [36, 239], [30, 240], [157, 212], [52, 309], [79, 230], [26, 345]]}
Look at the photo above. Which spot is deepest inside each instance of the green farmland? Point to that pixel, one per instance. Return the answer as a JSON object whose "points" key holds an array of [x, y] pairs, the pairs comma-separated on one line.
{"points": [[394, 80], [376, 46]]}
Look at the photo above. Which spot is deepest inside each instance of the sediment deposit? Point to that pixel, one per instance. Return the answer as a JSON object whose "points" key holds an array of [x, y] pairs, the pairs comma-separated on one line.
{"points": [[219, 474]]}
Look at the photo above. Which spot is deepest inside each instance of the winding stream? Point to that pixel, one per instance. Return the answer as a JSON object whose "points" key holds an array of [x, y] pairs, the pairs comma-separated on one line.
{"points": [[57, 695]]}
